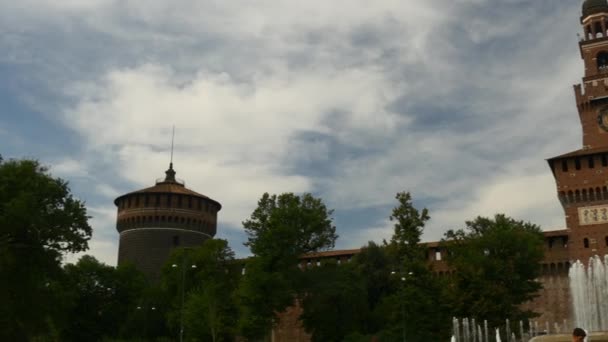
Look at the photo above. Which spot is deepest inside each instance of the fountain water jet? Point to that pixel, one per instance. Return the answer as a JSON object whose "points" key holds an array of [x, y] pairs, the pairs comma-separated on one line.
{"points": [[589, 289]]}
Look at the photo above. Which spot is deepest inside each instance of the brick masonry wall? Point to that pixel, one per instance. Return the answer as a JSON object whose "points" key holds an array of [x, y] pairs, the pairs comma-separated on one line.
{"points": [[148, 249]]}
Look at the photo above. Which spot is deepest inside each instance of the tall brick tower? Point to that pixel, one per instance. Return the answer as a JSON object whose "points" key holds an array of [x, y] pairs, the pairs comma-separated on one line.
{"points": [[582, 175], [154, 221]]}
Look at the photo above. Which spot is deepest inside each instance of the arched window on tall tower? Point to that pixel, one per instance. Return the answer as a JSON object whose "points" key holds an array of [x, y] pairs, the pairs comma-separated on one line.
{"points": [[602, 61]]}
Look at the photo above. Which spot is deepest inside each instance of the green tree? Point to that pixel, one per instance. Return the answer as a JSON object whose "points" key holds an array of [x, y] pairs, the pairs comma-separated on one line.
{"points": [[496, 262], [263, 291], [373, 266], [146, 319], [288, 226], [416, 309], [209, 309], [335, 304], [405, 244], [39, 221], [101, 297], [280, 230]]}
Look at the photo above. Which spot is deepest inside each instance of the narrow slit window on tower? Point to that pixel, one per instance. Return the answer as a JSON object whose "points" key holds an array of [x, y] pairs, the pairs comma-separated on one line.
{"points": [[189, 202], [179, 201], [591, 162], [577, 163], [169, 199], [606, 241], [564, 166], [604, 160], [586, 242]]}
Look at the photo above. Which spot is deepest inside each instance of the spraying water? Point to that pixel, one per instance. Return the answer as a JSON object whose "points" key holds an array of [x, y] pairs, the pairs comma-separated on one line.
{"points": [[589, 289]]}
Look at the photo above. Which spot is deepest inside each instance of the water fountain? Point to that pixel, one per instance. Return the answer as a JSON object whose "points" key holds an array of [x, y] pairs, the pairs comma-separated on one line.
{"points": [[589, 291], [589, 288]]}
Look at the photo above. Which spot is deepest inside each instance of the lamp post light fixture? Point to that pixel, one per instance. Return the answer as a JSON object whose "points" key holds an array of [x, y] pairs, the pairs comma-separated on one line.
{"points": [[181, 307]]}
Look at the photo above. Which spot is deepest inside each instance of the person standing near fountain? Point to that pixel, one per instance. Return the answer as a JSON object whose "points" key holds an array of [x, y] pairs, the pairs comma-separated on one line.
{"points": [[578, 335]]}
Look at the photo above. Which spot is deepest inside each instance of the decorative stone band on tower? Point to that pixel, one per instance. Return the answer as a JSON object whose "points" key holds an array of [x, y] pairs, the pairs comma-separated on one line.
{"points": [[153, 221]]}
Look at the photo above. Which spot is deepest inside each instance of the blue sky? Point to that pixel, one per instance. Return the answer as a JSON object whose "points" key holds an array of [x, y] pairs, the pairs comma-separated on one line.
{"points": [[457, 101]]}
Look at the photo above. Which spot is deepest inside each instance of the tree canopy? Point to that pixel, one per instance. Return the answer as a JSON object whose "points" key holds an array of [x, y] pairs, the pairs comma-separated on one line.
{"points": [[39, 221], [280, 230], [289, 225], [496, 262], [100, 298], [417, 307], [210, 276]]}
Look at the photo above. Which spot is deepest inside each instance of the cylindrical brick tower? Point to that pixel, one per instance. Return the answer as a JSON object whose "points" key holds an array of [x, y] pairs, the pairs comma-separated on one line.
{"points": [[153, 221]]}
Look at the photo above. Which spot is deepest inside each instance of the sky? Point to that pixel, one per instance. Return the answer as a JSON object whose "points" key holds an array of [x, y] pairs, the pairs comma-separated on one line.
{"points": [[459, 102]]}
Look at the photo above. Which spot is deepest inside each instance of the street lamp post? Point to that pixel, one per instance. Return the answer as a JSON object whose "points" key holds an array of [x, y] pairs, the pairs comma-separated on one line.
{"points": [[145, 313], [403, 279], [181, 307]]}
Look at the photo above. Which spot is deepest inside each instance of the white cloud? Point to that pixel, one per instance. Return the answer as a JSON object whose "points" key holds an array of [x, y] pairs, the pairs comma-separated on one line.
{"points": [[232, 137], [68, 168], [241, 80], [103, 244], [107, 190]]}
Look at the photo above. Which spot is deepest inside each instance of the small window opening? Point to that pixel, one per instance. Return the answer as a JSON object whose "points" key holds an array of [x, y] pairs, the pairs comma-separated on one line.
{"points": [[591, 162], [602, 61], [577, 163], [586, 243], [438, 255], [604, 160], [564, 166]]}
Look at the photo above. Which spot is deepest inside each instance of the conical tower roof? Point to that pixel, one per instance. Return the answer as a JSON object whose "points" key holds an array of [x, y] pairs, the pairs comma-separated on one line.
{"points": [[169, 184]]}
